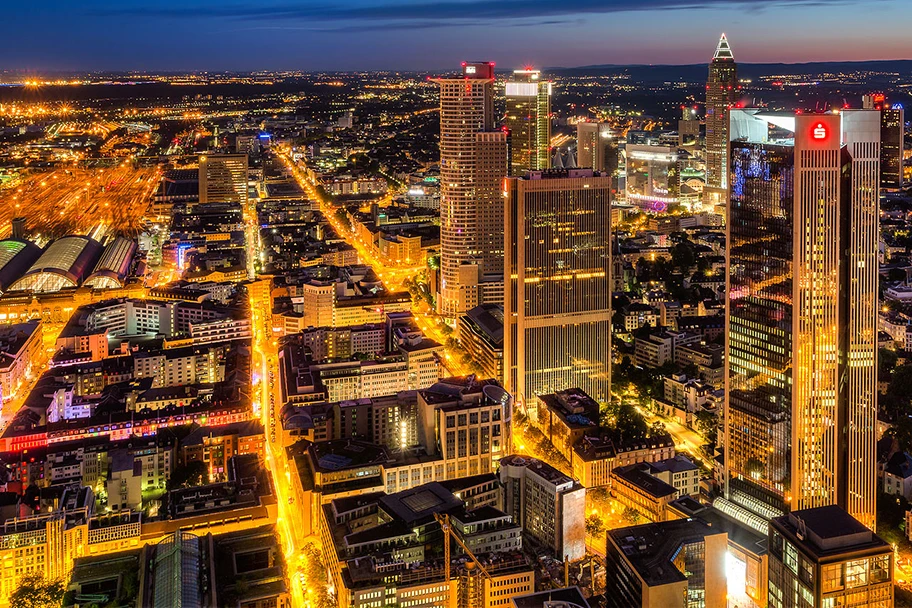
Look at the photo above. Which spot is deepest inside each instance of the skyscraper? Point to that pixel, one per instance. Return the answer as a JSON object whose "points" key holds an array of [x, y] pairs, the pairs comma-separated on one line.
{"points": [[557, 294], [596, 147], [223, 178], [528, 118], [722, 91], [688, 127], [801, 373], [473, 162], [892, 122]]}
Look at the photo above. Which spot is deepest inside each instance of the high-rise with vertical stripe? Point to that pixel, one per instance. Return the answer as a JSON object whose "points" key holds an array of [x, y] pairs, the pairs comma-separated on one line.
{"points": [[557, 294], [801, 350]]}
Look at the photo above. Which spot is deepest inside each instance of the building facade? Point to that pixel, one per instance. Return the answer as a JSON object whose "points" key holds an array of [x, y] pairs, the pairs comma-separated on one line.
{"points": [[801, 392], [722, 90], [557, 297], [473, 161], [223, 178], [528, 119], [824, 557]]}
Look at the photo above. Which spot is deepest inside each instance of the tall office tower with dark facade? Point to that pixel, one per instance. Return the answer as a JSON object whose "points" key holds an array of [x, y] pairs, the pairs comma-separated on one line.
{"points": [[473, 163], [557, 294], [722, 91], [688, 127], [223, 178], [528, 118], [892, 121], [801, 349], [596, 147]]}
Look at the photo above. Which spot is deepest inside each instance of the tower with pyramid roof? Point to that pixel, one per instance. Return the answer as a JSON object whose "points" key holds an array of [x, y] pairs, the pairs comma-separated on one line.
{"points": [[722, 92]]}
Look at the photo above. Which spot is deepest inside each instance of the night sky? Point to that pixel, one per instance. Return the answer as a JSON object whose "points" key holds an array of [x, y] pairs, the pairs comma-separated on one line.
{"points": [[176, 35]]}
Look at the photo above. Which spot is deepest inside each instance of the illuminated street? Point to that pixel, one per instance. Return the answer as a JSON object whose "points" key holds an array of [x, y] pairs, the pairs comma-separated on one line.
{"points": [[401, 304], [289, 520]]}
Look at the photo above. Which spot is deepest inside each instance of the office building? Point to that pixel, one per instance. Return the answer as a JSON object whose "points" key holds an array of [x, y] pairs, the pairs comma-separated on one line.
{"points": [[568, 597], [557, 318], [597, 148], [825, 557], [481, 333], [473, 163], [636, 488], [653, 177], [223, 178], [22, 345], [528, 119], [892, 136], [801, 375], [670, 564], [688, 127], [391, 545], [467, 421], [564, 418], [546, 503], [722, 91]]}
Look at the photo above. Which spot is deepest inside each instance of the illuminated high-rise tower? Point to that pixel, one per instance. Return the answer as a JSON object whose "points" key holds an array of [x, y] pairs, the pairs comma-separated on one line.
{"points": [[557, 294], [473, 164], [596, 147], [223, 178], [722, 90], [801, 349], [892, 127], [528, 118]]}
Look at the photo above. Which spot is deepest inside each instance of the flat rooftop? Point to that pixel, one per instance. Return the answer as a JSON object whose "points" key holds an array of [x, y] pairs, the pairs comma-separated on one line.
{"points": [[652, 548], [827, 531], [634, 474]]}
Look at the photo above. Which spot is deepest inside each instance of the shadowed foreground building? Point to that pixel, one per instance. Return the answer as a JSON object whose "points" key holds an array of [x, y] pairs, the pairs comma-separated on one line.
{"points": [[671, 564], [801, 385], [825, 557]]}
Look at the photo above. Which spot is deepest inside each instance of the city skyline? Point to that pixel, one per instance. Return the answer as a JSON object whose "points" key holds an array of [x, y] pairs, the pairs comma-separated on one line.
{"points": [[303, 36]]}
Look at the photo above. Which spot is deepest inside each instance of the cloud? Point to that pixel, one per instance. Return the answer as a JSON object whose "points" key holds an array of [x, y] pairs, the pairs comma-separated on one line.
{"points": [[424, 13]]}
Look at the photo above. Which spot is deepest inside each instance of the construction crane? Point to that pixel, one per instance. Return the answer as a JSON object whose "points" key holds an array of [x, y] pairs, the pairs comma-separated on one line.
{"points": [[469, 595]]}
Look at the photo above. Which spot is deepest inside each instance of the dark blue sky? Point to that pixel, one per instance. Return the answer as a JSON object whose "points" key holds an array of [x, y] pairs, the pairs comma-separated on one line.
{"points": [[44, 35]]}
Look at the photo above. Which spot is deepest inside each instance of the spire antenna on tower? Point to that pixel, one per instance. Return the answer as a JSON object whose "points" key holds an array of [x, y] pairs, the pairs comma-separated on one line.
{"points": [[723, 50]]}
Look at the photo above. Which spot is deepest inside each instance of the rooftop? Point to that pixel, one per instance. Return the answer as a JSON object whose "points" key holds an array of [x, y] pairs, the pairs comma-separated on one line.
{"points": [[826, 531], [418, 505], [542, 469], [636, 475], [568, 597], [652, 548]]}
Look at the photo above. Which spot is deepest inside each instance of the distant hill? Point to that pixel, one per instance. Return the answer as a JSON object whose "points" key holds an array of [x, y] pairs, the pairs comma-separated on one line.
{"points": [[697, 72]]}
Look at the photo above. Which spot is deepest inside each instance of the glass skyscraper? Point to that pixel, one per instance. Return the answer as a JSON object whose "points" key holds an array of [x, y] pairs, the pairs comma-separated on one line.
{"points": [[802, 320], [557, 283], [528, 118]]}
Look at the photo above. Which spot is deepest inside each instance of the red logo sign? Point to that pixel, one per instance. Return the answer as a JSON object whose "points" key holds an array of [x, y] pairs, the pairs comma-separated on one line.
{"points": [[820, 131]]}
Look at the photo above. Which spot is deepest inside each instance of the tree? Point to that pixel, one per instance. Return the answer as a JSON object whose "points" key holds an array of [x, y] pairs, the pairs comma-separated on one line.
{"points": [[632, 515], [886, 361], [683, 256], [35, 592], [657, 429], [708, 426], [901, 431], [594, 525]]}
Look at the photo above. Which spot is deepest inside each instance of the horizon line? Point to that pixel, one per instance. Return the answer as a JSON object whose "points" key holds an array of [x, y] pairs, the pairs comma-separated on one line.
{"points": [[136, 71]]}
